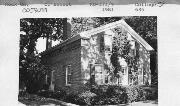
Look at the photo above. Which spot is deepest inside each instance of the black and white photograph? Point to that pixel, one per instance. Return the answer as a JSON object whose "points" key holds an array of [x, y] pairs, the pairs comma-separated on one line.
{"points": [[75, 61]]}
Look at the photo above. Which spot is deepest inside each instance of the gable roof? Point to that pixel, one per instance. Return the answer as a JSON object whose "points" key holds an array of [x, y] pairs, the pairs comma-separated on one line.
{"points": [[87, 35], [122, 23]]}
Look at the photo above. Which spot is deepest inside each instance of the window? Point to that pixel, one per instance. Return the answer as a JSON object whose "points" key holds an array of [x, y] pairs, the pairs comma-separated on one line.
{"points": [[52, 76], [52, 80], [108, 43], [98, 74], [106, 79], [107, 48], [140, 71], [124, 70], [68, 75]]}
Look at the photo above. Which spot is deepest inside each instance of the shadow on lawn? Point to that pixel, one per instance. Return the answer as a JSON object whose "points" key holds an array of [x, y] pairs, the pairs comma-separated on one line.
{"points": [[34, 100]]}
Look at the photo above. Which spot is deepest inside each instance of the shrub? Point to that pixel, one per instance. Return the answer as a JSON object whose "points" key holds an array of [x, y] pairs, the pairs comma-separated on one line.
{"points": [[86, 98], [71, 98], [60, 94], [151, 93], [45, 93], [99, 90], [109, 95], [135, 93]]}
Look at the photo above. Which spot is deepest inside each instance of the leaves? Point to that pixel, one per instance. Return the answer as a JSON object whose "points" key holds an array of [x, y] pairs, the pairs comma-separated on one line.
{"points": [[31, 69]]}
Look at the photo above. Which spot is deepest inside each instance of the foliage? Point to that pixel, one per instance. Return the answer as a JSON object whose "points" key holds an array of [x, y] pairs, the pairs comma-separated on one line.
{"points": [[60, 94], [145, 26], [122, 48], [31, 71], [71, 98], [151, 92], [118, 95], [86, 98], [105, 95], [135, 93], [109, 95]]}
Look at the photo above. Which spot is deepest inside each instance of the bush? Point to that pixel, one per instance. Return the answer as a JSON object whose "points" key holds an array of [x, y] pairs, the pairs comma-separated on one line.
{"points": [[71, 98], [60, 94], [45, 93], [118, 94], [135, 93], [109, 95], [99, 90], [151, 93], [104, 95], [86, 98]]}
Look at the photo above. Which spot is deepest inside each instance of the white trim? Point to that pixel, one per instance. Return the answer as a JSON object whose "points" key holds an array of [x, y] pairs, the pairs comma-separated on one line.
{"points": [[52, 80], [66, 68], [136, 36], [122, 23], [87, 34], [46, 79], [101, 73]]}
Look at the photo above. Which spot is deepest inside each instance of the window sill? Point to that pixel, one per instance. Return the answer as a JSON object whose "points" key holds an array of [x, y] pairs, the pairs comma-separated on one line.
{"points": [[68, 85]]}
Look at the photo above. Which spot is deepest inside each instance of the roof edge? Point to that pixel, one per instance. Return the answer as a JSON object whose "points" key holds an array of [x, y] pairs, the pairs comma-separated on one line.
{"points": [[122, 23], [136, 36], [63, 43]]}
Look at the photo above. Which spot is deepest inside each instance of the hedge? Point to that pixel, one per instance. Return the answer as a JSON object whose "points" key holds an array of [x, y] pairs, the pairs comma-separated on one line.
{"points": [[106, 95]]}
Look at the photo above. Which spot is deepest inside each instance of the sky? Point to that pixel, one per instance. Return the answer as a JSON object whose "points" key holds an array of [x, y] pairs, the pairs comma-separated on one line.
{"points": [[41, 44]]}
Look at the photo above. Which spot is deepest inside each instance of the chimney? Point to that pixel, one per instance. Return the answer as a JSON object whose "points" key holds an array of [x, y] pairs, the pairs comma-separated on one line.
{"points": [[66, 28], [66, 32]]}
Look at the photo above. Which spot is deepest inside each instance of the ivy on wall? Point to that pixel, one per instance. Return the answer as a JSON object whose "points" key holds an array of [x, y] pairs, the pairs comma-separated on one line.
{"points": [[122, 48]]}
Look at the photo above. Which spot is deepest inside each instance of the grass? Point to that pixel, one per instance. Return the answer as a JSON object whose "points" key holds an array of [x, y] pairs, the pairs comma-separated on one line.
{"points": [[31, 99]]}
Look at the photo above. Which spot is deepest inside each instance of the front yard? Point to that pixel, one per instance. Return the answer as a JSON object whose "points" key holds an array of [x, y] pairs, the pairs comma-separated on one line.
{"points": [[35, 100], [97, 95]]}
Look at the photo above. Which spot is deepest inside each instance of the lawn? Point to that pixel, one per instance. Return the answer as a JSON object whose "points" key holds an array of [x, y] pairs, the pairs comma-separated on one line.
{"points": [[35, 100]]}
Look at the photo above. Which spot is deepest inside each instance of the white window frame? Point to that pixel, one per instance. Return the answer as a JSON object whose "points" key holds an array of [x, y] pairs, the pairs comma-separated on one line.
{"points": [[101, 72], [68, 74], [124, 70], [52, 76], [52, 83]]}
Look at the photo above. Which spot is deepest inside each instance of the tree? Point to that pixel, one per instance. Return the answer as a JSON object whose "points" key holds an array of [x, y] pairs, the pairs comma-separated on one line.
{"points": [[31, 70]]}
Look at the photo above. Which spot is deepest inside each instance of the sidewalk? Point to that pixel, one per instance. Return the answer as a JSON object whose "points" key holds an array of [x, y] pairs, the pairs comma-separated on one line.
{"points": [[145, 103]]}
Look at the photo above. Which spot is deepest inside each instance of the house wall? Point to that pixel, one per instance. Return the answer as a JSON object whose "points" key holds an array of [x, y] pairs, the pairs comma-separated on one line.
{"points": [[83, 54], [92, 53], [58, 60], [144, 72], [144, 64]]}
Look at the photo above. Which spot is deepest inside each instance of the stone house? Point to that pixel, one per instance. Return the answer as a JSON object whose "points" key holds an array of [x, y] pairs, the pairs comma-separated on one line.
{"points": [[87, 56]]}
